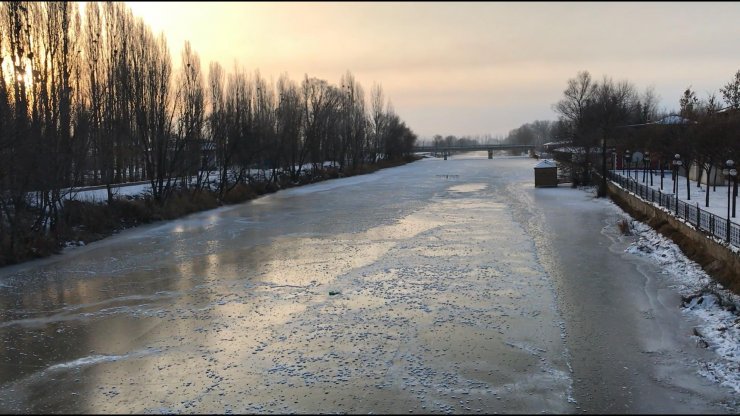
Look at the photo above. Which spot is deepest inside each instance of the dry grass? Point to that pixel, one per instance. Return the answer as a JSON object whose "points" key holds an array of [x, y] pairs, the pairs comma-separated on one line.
{"points": [[624, 227]]}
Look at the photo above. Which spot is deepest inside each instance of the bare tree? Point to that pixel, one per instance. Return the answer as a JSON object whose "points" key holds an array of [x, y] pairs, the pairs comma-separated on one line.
{"points": [[240, 123], [689, 108], [731, 92], [218, 126], [289, 124], [577, 97], [352, 147], [614, 104], [162, 150], [378, 117], [95, 78], [577, 94], [191, 116], [263, 142], [542, 130], [319, 104], [94, 100], [16, 149], [646, 108]]}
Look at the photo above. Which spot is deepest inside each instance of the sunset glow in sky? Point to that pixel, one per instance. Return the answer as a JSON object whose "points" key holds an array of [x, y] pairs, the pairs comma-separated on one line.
{"points": [[465, 68]]}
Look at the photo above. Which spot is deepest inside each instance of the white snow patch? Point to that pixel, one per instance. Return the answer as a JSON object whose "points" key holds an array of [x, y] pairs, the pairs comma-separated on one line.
{"points": [[85, 361], [100, 358], [715, 307], [546, 163]]}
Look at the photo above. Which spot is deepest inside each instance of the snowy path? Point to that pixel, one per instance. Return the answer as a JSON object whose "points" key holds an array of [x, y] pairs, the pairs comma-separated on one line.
{"points": [[718, 201]]}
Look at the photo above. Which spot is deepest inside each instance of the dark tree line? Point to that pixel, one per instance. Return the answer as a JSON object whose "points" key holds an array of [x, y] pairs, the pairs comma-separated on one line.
{"points": [[705, 139], [452, 140], [98, 101], [599, 117]]}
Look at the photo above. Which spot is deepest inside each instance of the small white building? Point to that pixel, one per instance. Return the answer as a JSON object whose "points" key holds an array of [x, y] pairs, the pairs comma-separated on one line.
{"points": [[546, 174]]}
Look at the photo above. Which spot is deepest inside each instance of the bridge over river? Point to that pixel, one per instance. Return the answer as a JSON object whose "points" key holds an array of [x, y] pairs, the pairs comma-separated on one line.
{"points": [[490, 148]]}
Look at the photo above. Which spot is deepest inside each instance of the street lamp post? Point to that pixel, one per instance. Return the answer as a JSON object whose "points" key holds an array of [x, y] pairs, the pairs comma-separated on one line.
{"points": [[644, 167], [613, 158], [637, 161], [649, 168], [733, 176], [734, 191], [602, 190], [729, 172], [627, 158], [676, 165], [624, 160], [637, 165]]}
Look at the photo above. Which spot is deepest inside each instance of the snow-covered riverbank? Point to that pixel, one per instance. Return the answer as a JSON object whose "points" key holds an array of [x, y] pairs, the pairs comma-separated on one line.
{"points": [[716, 308]]}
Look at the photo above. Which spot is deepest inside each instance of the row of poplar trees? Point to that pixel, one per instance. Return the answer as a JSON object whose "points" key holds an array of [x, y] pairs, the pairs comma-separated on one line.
{"points": [[96, 101]]}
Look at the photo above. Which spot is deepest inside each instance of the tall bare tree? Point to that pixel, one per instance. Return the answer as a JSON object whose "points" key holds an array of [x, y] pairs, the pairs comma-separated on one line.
{"points": [[731, 92], [577, 97], [191, 110], [289, 126], [378, 119]]}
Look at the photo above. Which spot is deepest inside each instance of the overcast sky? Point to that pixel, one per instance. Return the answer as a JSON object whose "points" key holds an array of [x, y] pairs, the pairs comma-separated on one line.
{"points": [[466, 68]]}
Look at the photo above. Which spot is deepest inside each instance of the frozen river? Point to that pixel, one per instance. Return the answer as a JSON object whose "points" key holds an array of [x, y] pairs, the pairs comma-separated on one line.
{"points": [[434, 287]]}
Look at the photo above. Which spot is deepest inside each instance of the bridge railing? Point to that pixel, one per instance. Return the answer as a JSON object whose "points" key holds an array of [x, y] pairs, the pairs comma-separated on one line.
{"points": [[477, 147]]}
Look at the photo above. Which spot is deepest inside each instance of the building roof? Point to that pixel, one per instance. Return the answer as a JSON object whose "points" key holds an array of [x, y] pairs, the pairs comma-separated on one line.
{"points": [[545, 163], [672, 119], [560, 143], [667, 120], [575, 149]]}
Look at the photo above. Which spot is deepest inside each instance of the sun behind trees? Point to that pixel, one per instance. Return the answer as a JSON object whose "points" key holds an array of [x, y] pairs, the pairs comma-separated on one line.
{"points": [[96, 101]]}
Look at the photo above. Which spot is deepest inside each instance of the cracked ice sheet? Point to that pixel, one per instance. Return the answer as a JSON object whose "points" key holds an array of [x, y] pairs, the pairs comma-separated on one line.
{"points": [[434, 313]]}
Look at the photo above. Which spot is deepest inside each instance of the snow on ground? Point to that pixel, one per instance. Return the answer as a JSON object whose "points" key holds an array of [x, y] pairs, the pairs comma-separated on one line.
{"points": [[717, 309], [717, 199], [100, 194]]}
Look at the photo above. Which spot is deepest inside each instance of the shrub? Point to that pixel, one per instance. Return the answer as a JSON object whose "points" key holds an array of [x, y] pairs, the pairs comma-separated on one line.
{"points": [[131, 213], [184, 202], [85, 221], [239, 193]]}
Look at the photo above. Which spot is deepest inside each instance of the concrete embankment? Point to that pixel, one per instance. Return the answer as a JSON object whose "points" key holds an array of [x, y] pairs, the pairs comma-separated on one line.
{"points": [[716, 259]]}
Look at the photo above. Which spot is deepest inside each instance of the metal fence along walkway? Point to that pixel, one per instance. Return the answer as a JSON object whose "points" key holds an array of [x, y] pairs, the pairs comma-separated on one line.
{"points": [[713, 224]]}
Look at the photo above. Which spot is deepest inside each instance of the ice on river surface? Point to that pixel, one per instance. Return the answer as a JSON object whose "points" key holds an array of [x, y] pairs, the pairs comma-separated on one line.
{"points": [[414, 289]]}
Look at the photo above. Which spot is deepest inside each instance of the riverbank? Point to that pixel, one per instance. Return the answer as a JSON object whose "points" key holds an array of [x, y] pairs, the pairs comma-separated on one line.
{"points": [[631, 342], [83, 222], [715, 258]]}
